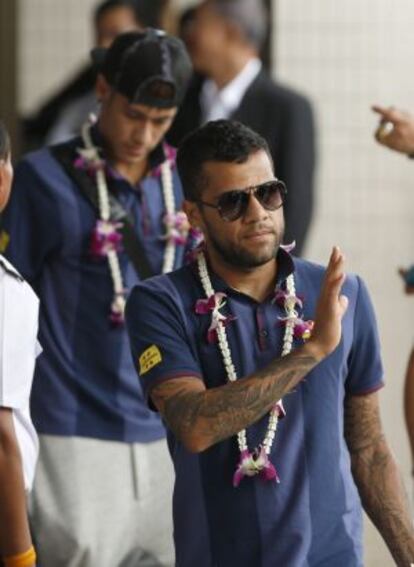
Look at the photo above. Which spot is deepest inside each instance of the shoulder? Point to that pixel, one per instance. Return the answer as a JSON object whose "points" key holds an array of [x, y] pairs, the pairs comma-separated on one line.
{"points": [[279, 94], [172, 287], [42, 168], [42, 161], [15, 282], [7, 267]]}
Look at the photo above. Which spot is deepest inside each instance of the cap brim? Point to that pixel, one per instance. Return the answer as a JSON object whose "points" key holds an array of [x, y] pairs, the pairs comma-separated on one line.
{"points": [[98, 55]]}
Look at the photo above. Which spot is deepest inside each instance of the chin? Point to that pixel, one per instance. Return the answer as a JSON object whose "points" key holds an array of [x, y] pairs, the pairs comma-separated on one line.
{"points": [[244, 259]]}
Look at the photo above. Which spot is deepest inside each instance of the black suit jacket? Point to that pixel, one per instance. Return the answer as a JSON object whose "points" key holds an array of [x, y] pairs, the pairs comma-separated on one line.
{"points": [[285, 119]]}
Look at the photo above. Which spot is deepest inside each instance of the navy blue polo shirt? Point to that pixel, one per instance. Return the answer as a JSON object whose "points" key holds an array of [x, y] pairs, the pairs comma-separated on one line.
{"points": [[85, 383], [313, 517]]}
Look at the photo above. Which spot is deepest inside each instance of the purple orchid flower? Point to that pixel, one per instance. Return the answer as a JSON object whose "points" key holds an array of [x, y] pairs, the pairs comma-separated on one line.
{"points": [[213, 304], [303, 329], [177, 227], [91, 166], [286, 300], [252, 464], [215, 301], [170, 154], [105, 238]]}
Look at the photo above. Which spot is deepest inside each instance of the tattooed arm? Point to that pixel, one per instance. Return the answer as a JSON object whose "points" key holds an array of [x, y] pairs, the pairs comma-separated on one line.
{"points": [[201, 418], [377, 477]]}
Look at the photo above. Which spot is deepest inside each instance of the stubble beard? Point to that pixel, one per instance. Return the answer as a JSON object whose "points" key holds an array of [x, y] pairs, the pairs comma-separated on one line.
{"points": [[240, 257]]}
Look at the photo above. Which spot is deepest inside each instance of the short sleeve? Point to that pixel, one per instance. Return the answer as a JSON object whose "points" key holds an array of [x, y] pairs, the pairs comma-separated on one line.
{"points": [[30, 223], [365, 369], [160, 344]]}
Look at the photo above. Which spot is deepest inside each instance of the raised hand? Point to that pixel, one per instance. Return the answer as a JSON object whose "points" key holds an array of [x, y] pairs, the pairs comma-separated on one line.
{"points": [[396, 129], [331, 308]]}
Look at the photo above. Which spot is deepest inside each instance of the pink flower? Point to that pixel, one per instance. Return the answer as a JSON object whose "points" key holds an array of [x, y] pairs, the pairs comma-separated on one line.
{"points": [[251, 464], [213, 304], [177, 226], [286, 300], [212, 336], [105, 238], [91, 166], [170, 154], [303, 329], [215, 301]]}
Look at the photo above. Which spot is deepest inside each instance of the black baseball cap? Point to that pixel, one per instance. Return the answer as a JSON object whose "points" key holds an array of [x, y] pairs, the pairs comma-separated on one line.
{"points": [[148, 67]]}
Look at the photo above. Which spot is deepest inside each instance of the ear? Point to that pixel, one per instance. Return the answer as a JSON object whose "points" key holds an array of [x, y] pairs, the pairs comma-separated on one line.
{"points": [[102, 88], [2, 178], [192, 211]]}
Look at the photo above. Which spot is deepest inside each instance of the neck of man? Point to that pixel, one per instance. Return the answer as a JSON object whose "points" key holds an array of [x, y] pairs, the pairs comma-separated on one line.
{"points": [[225, 70], [257, 282], [132, 172]]}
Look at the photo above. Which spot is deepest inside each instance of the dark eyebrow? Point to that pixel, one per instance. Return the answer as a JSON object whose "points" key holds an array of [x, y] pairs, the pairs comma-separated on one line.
{"points": [[140, 114]]}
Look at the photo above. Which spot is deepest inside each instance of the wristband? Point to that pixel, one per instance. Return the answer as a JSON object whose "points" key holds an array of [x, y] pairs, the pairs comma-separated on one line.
{"points": [[26, 559]]}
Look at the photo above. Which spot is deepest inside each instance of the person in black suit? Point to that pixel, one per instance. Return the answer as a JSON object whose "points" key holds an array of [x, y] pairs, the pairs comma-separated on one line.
{"points": [[226, 36]]}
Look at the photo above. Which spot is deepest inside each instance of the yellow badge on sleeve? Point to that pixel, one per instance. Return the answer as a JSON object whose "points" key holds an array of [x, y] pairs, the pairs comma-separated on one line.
{"points": [[4, 241], [149, 358]]}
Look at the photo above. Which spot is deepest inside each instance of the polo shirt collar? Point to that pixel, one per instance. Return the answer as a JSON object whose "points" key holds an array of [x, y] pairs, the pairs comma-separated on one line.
{"points": [[285, 267]]}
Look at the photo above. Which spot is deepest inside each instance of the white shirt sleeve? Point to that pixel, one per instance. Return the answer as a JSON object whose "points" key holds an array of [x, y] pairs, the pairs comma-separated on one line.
{"points": [[19, 308]]}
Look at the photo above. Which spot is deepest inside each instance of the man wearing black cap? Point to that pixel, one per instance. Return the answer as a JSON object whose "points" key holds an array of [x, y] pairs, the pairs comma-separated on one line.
{"points": [[87, 220]]}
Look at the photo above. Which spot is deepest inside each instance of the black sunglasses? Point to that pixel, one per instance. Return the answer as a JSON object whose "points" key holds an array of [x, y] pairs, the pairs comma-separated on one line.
{"points": [[233, 204]]}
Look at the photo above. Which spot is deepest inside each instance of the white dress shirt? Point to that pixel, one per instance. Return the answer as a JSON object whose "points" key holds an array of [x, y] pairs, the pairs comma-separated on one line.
{"points": [[19, 308], [221, 103]]}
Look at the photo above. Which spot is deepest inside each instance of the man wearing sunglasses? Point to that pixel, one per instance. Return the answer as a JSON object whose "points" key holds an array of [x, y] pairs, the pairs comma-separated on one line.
{"points": [[265, 369]]}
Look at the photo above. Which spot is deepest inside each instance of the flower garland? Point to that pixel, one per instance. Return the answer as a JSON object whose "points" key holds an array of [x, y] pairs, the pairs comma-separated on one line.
{"points": [[257, 461], [106, 240]]}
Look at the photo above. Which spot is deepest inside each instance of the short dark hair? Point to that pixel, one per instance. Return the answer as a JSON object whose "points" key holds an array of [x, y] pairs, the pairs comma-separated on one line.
{"points": [[220, 140], [103, 7], [4, 142]]}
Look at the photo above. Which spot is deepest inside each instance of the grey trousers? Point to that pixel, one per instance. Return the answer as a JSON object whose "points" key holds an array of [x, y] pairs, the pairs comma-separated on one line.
{"points": [[102, 504]]}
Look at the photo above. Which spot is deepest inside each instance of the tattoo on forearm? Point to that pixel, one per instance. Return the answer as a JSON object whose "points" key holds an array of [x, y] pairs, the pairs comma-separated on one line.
{"points": [[377, 477], [219, 413]]}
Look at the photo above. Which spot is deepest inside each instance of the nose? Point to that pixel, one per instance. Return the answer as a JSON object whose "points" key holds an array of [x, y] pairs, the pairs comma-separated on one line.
{"points": [[255, 211], [142, 133]]}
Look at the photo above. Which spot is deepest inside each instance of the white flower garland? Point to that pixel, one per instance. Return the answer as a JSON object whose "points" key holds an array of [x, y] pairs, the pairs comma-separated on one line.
{"points": [[226, 354], [91, 155]]}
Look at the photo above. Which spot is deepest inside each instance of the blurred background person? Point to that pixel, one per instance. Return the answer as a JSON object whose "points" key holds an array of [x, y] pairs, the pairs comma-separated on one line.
{"points": [[111, 18], [61, 115], [19, 309], [396, 132], [224, 38], [88, 219]]}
